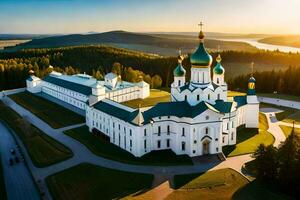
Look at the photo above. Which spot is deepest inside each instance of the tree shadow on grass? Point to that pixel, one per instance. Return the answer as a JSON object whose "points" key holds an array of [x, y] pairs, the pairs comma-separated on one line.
{"points": [[256, 190], [228, 149], [245, 134], [182, 180]]}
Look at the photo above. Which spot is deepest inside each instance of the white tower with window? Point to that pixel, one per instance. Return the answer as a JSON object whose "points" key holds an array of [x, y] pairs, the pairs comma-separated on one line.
{"points": [[218, 78]]}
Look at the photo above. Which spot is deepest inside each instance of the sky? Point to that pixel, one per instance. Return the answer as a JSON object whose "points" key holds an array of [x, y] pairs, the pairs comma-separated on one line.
{"points": [[81, 16]]}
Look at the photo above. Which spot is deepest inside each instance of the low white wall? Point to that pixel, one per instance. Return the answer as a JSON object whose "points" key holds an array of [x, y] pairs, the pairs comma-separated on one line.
{"points": [[9, 92], [280, 102]]}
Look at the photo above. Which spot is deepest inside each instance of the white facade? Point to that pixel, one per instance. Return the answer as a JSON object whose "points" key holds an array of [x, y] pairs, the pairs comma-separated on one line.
{"points": [[199, 119], [82, 90]]}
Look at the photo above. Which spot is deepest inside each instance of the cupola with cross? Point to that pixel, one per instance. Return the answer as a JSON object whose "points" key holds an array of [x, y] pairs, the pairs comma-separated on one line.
{"points": [[179, 73], [201, 62], [218, 71]]}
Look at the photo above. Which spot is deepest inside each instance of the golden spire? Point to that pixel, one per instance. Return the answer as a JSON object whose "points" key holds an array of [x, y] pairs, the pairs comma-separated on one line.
{"points": [[180, 57], [219, 59], [201, 34], [252, 68]]}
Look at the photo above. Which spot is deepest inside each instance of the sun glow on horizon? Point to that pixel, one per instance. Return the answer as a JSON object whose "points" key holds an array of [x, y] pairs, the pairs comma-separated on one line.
{"points": [[227, 16]]}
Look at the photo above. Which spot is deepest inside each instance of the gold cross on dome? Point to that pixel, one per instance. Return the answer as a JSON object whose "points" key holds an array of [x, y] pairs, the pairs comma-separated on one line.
{"points": [[201, 25]]}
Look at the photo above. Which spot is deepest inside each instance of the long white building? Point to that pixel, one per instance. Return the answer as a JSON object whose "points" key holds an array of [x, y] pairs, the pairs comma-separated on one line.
{"points": [[199, 120], [82, 90]]}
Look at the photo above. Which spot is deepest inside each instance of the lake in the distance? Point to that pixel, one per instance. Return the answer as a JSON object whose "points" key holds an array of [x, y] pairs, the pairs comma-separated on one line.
{"points": [[259, 45]]}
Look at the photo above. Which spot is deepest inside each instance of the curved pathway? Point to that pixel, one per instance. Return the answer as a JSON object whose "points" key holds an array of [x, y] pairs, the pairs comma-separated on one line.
{"points": [[18, 180], [273, 123], [83, 154]]}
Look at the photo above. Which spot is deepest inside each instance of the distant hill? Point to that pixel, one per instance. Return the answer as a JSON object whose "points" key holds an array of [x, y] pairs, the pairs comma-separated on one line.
{"points": [[163, 44], [287, 40], [24, 36]]}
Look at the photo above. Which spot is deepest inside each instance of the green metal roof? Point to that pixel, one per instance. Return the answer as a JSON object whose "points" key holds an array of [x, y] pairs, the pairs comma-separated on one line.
{"points": [[200, 57], [240, 100], [189, 86], [83, 89], [222, 106], [218, 69], [115, 111], [252, 79], [179, 70], [178, 109]]}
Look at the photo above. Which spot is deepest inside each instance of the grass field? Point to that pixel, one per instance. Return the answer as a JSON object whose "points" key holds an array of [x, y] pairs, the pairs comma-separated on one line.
{"points": [[155, 97], [2, 184], [108, 150], [232, 94], [53, 114], [289, 115], [287, 130], [86, 181], [218, 184], [43, 150], [249, 139], [235, 93]]}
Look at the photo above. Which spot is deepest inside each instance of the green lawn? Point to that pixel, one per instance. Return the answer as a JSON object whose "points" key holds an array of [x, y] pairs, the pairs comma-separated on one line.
{"points": [[249, 139], [287, 115], [86, 181], [2, 184], [105, 149], [218, 184], [55, 115], [155, 97], [235, 93], [280, 96], [42, 149], [287, 130]]}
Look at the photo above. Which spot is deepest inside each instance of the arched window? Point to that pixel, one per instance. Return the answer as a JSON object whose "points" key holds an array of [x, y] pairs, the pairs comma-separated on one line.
{"points": [[185, 97], [206, 130], [183, 146], [208, 96], [179, 82], [168, 129], [218, 96], [198, 97], [217, 80]]}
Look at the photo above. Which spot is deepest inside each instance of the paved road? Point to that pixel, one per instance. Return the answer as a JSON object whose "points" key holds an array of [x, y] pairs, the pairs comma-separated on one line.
{"points": [[18, 181], [274, 128]]}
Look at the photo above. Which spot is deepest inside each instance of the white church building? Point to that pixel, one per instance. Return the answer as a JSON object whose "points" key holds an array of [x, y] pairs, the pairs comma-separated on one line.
{"points": [[198, 120]]}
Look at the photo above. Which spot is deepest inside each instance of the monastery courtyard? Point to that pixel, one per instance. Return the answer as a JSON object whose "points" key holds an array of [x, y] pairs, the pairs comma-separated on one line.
{"points": [[64, 152]]}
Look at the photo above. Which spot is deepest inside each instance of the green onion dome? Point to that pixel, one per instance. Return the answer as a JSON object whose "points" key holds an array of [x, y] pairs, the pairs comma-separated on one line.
{"points": [[252, 80], [179, 70], [200, 57], [218, 69]]}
